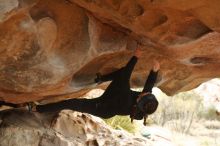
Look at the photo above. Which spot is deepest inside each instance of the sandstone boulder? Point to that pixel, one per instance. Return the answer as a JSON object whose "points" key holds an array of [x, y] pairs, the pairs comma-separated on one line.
{"points": [[51, 49], [19, 127]]}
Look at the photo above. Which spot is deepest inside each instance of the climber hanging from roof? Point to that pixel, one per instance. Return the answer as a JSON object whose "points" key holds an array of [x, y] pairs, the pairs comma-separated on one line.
{"points": [[118, 98]]}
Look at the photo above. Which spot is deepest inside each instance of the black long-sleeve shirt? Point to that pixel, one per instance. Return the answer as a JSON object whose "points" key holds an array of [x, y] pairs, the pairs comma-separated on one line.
{"points": [[118, 98]]}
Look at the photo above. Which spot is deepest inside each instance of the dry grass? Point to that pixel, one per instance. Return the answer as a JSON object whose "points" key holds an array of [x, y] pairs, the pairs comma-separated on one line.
{"points": [[186, 115], [177, 112]]}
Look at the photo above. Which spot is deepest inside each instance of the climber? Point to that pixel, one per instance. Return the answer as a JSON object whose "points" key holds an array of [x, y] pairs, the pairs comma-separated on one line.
{"points": [[118, 98]]}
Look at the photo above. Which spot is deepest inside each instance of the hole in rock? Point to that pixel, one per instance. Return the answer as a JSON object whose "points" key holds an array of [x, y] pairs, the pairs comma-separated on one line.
{"points": [[201, 60], [37, 14], [193, 29], [160, 20]]}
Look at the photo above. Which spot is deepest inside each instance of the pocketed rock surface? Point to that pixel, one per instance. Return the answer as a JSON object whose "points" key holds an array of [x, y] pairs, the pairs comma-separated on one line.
{"points": [[51, 49], [67, 128]]}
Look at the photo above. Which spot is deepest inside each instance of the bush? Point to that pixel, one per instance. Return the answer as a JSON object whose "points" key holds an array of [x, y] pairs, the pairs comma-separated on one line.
{"points": [[177, 112], [122, 122], [208, 113]]}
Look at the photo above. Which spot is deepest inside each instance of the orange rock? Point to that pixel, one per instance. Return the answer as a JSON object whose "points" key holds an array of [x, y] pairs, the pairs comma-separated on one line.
{"points": [[51, 49]]}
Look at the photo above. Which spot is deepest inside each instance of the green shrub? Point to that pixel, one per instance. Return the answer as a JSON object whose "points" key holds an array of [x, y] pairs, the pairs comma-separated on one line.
{"points": [[122, 122]]}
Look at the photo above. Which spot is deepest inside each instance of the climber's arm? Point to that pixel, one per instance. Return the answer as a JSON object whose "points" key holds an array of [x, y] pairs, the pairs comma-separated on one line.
{"points": [[130, 65], [152, 77]]}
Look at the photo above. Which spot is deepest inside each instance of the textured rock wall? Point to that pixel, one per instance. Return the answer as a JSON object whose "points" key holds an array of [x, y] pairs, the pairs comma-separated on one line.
{"points": [[51, 49], [66, 128]]}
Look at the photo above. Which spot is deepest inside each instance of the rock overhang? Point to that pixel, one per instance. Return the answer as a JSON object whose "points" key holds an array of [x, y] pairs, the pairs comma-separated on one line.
{"points": [[52, 49]]}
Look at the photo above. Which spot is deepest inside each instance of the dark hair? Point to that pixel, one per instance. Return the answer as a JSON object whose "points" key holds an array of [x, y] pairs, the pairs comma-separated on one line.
{"points": [[148, 104]]}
